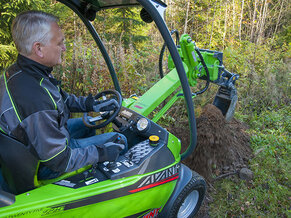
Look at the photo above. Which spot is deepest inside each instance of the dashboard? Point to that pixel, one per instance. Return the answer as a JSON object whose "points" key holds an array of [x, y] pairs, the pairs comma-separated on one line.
{"points": [[148, 152]]}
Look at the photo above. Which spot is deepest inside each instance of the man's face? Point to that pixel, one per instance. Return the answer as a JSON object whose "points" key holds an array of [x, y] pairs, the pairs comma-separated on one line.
{"points": [[52, 52]]}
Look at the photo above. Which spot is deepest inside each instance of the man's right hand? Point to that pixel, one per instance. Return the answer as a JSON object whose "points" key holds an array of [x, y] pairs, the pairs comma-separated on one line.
{"points": [[107, 105], [109, 151]]}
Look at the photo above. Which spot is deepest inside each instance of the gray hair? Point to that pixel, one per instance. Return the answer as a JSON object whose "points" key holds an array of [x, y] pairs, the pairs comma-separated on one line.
{"points": [[30, 27]]}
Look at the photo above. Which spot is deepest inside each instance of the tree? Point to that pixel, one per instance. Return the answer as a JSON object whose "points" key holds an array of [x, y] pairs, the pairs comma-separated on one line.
{"points": [[123, 26], [8, 11]]}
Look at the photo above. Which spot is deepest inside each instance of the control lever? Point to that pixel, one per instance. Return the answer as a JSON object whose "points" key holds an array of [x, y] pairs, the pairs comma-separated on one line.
{"points": [[117, 123], [119, 140], [111, 165], [129, 126], [130, 156]]}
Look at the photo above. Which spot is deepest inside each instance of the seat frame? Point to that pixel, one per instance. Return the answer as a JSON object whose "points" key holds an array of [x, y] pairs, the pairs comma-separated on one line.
{"points": [[18, 164]]}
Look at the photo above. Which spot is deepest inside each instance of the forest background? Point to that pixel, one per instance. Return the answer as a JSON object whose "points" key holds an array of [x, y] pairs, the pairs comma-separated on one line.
{"points": [[255, 36]]}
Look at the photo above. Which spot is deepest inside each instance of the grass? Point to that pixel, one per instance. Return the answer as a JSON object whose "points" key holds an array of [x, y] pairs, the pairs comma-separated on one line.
{"points": [[268, 194]]}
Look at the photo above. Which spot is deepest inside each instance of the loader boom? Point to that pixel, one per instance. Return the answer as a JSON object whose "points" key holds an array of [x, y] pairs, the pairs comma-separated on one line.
{"points": [[198, 64]]}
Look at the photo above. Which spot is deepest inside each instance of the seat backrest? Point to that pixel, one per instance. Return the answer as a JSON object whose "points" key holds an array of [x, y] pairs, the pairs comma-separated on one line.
{"points": [[18, 164]]}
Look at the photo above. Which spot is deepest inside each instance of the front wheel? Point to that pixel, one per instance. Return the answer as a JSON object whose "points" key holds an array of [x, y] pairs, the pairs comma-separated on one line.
{"points": [[190, 199]]}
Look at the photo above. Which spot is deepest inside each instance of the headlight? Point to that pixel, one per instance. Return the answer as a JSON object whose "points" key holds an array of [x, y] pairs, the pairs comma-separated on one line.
{"points": [[142, 124]]}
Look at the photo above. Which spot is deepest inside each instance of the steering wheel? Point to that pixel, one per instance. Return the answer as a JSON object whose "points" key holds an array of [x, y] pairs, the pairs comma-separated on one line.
{"points": [[108, 116]]}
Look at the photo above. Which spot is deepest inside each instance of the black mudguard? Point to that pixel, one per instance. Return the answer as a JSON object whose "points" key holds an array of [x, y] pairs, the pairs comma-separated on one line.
{"points": [[185, 176]]}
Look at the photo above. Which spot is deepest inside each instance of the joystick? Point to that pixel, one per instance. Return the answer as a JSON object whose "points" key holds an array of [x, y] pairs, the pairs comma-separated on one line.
{"points": [[111, 165], [130, 156]]}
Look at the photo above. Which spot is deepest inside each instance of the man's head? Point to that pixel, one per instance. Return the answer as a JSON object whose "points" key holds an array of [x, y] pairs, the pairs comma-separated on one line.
{"points": [[37, 36]]}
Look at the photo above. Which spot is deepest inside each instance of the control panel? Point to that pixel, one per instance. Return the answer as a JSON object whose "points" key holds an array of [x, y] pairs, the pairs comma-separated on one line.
{"points": [[130, 163], [148, 151]]}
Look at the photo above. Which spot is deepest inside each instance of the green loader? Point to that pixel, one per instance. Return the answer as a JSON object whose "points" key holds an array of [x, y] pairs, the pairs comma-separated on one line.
{"points": [[149, 180]]}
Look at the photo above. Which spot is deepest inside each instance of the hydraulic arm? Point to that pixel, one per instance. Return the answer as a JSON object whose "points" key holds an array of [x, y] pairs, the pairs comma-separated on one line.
{"points": [[208, 65], [199, 64]]}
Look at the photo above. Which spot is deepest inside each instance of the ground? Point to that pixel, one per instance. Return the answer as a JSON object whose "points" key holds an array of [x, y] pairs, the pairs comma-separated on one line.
{"points": [[222, 148]]}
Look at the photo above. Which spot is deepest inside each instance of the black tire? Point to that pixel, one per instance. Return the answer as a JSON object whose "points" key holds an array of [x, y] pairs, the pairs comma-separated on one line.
{"points": [[193, 193]]}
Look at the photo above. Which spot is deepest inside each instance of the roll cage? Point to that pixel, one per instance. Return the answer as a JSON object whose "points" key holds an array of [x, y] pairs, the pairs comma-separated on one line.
{"points": [[86, 10]]}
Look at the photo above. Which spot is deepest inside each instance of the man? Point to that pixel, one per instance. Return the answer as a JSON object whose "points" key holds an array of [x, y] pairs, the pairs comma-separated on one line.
{"points": [[35, 110]]}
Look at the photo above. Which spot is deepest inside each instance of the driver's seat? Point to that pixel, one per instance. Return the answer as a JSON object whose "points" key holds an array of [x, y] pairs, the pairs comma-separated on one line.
{"points": [[18, 164]]}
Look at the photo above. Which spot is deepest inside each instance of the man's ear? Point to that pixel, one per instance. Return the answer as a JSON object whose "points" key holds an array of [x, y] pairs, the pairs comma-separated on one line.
{"points": [[37, 49]]}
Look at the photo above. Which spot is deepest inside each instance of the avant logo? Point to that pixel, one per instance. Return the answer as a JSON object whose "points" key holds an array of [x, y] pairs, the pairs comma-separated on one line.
{"points": [[152, 214], [160, 175]]}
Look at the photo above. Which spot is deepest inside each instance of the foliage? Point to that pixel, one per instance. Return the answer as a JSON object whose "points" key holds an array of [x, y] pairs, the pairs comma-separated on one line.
{"points": [[8, 10], [268, 194], [217, 23], [84, 69], [264, 75], [123, 25], [88, 74]]}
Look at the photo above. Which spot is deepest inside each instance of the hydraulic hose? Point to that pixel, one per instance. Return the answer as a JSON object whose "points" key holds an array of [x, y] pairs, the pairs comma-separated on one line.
{"points": [[161, 71], [207, 73], [161, 61], [163, 51]]}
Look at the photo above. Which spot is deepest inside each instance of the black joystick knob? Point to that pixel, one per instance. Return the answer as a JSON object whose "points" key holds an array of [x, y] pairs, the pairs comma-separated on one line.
{"points": [[130, 156], [111, 165]]}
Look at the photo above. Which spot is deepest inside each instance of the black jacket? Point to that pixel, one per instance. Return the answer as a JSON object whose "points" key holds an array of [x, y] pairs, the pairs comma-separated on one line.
{"points": [[34, 110]]}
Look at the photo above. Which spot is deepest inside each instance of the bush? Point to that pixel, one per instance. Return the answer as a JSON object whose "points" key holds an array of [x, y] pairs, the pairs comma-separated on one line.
{"points": [[264, 75]]}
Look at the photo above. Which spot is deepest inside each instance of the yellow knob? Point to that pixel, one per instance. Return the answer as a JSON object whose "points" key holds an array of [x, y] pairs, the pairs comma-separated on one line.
{"points": [[154, 140]]}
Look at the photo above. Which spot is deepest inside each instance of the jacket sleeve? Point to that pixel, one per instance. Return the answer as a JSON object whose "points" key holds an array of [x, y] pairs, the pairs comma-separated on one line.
{"points": [[78, 104], [51, 143]]}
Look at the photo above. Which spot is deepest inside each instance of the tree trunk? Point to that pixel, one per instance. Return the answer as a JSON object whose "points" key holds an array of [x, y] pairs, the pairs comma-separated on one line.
{"points": [[253, 21], [206, 31], [73, 71], [233, 17], [257, 32], [225, 23], [124, 29], [187, 14], [171, 13], [262, 22], [241, 18], [279, 18], [213, 19]]}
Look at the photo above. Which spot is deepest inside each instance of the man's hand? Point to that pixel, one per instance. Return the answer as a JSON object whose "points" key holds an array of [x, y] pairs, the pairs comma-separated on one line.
{"points": [[109, 151], [107, 105]]}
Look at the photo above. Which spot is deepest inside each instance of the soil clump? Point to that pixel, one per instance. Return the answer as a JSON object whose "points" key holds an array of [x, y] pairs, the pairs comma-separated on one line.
{"points": [[223, 148]]}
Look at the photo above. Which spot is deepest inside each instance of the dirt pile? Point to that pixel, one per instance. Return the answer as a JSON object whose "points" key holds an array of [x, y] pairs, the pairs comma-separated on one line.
{"points": [[222, 147]]}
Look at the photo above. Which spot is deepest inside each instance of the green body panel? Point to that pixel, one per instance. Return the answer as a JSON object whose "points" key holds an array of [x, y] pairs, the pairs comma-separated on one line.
{"points": [[124, 206], [174, 144], [51, 199]]}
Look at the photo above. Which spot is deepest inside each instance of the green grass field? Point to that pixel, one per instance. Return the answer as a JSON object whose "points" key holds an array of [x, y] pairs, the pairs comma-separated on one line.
{"points": [[269, 193]]}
